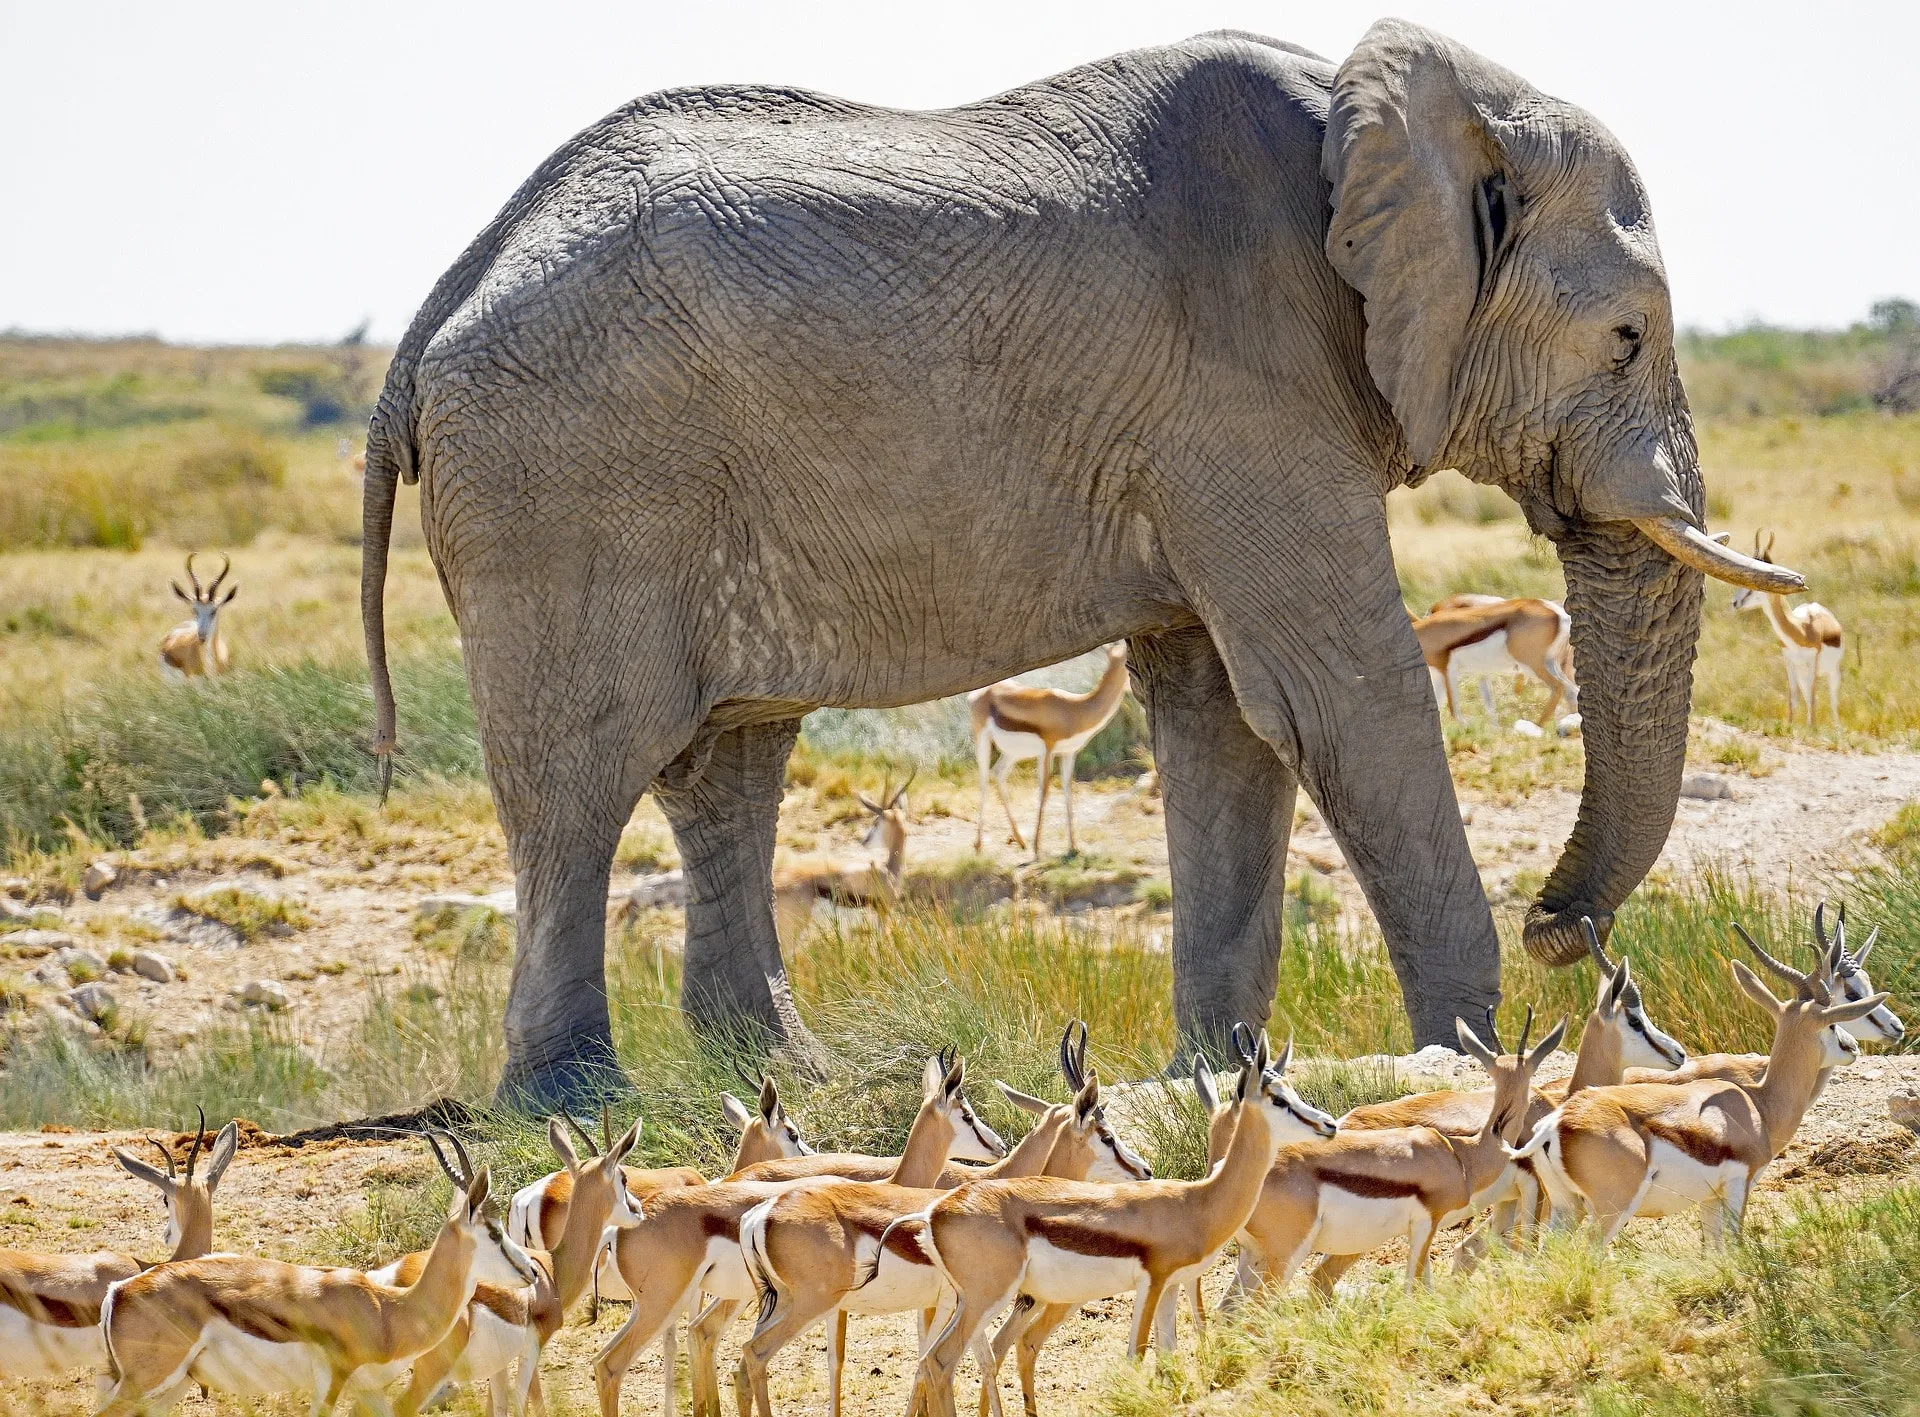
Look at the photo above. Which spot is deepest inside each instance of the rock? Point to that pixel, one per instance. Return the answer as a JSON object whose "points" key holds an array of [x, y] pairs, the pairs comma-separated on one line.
{"points": [[1527, 728], [187, 928], [1706, 787], [500, 903], [11, 909], [99, 876], [16, 887], [93, 1002], [1904, 1108], [668, 888], [30, 944], [267, 994], [156, 967], [1466, 815], [1568, 725], [1146, 785], [81, 962]]}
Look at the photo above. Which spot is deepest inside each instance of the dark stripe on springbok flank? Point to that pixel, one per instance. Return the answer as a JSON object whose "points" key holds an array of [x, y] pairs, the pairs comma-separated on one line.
{"points": [[1004, 720], [902, 1240], [1086, 1239], [1707, 1151], [1830, 641], [1485, 632], [1373, 1188], [725, 1226], [48, 1310]]}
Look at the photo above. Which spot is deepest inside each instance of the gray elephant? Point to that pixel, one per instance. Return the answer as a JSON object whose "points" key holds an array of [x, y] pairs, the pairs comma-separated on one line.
{"points": [[752, 400]]}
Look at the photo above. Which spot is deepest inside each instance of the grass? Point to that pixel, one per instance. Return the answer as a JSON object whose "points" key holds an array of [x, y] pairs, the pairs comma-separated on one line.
{"points": [[1814, 1312], [247, 913]]}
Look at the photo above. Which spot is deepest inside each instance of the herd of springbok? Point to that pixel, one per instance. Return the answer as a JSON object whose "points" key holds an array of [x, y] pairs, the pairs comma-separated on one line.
{"points": [[959, 1229]]}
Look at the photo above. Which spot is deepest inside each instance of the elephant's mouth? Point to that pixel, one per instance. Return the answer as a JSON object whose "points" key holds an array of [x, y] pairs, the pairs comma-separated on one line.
{"points": [[1690, 546]]}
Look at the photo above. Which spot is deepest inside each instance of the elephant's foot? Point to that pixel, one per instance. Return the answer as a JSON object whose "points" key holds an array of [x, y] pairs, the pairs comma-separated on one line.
{"points": [[574, 1074]]}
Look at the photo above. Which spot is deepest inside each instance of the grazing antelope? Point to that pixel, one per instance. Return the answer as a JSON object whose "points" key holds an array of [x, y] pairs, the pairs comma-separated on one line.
{"points": [[1047, 725], [252, 1327], [799, 884], [840, 1248], [689, 1240], [1810, 638], [1067, 1243], [196, 646], [1346, 1196], [1664, 1148], [1483, 639], [50, 1304], [503, 1325]]}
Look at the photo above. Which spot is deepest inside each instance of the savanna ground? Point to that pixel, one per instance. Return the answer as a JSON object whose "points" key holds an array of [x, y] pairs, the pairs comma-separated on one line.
{"points": [[247, 849]]}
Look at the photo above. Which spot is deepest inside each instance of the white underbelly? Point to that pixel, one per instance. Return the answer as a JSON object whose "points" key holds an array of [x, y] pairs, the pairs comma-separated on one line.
{"points": [[1016, 746], [492, 1345], [233, 1362], [612, 1284], [1678, 1183], [898, 1285], [1488, 656], [31, 1350], [1058, 1276], [1359, 1225], [726, 1276]]}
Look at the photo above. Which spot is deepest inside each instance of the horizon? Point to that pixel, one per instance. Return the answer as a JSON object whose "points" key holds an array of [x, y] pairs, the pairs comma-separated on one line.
{"points": [[254, 178]]}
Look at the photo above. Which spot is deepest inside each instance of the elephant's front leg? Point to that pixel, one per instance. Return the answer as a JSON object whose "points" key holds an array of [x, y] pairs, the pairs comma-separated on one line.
{"points": [[1229, 808], [724, 822]]}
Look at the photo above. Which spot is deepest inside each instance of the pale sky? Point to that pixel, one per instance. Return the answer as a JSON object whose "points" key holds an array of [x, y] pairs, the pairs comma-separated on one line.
{"points": [[280, 171]]}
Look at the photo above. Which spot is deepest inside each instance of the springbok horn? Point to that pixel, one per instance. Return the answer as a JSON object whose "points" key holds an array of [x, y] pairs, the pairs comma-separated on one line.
{"points": [[1080, 1053], [192, 578], [466, 1162], [1067, 1069], [1243, 1042], [1525, 1028], [894, 801], [1800, 982], [1593, 945], [1493, 1032], [166, 1155], [226, 564], [606, 1127], [1820, 929], [198, 1132], [1690, 546], [586, 1138], [861, 798], [433, 1141]]}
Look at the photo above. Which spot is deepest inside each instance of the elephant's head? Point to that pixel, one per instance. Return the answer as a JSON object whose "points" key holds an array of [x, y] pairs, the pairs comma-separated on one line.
{"points": [[1518, 323]]}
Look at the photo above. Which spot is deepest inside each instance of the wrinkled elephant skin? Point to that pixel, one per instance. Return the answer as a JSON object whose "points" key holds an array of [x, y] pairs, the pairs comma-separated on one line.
{"points": [[753, 400]]}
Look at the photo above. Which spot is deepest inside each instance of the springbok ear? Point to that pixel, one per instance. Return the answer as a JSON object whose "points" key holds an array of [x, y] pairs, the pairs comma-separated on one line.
{"points": [[1615, 992], [930, 1077], [140, 1171], [224, 1146], [956, 1078], [1025, 1101], [1425, 204], [227, 599], [181, 593], [1547, 1045], [1859, 1008], [562, 1144], [1086, 1101], [769, 1100], [1751, 986], [735, 1111], [1204, 1086], [477, 1192], [1471, 1045], [622, 1144], [1860, 955]]}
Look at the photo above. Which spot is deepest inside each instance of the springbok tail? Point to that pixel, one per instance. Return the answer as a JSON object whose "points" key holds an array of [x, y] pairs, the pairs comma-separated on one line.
{"points": [[753, 1250], [918, 1217]]}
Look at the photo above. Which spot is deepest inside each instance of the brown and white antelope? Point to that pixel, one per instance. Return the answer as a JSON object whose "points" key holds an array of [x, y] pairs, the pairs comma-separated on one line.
{"points": [[50, 1304], [1497, 638], [196, 647], [1811, 641], [1348, 1195], [840, 1248], [251, 1327], [688, 1242], [504, 1325], [1047, 725], [799, 885], [1070, 1242], [1665, 1148]]}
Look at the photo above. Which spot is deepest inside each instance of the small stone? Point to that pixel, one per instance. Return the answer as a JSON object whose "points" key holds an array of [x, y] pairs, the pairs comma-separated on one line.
{"points": [[29, 944], [99, 876], [232, 1004], [156, 967], [1146, 785], [1568, 725], [500, 903], [1527, 728], [11, 909], [1706, 787], [267, 994], [93, 1002], [77, 960], [1904, 1108]]}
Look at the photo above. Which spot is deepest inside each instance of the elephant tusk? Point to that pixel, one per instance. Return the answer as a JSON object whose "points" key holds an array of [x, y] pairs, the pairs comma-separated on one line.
{"points": [[1690, 546]]}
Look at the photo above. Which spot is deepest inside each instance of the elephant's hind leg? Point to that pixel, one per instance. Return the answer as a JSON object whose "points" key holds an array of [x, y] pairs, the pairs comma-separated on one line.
{"points": [[724, 821]]}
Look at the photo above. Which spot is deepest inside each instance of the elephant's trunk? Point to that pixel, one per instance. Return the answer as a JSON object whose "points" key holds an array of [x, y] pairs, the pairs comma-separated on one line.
{"points": [[1636, 617]]}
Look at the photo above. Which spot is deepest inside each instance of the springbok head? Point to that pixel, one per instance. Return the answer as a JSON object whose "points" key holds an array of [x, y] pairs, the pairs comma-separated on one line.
{"points": [[207, 602], [1845, 974], [889, 827], [1618, 1007], [1746, 598]]}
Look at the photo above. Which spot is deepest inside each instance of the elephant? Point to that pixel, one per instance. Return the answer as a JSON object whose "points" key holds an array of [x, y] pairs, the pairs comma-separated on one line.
{"points": [[752, 400]]}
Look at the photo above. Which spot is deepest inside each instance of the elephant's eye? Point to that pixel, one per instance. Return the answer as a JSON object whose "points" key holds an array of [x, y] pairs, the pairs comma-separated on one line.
{"points": [[1626, 344]]}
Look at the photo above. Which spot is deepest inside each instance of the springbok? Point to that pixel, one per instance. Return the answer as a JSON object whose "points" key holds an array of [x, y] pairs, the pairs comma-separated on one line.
{"points": [[504, 1325], [838, 1248], [1506, 635], [50, 1304], [689, 1240], [252, 1327], [1047, 725], [1347, 1196], [1067, 1243], [800, 884], [196, 646], [1811, 641], [1665, 1148]]}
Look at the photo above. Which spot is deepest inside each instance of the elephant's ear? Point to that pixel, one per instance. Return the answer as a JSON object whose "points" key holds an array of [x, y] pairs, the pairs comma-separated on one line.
{"points": [[1424, 206]]}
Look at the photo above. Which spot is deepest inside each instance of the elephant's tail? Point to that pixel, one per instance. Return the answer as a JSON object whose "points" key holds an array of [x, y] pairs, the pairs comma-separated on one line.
{"points": [[385, 464]]}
